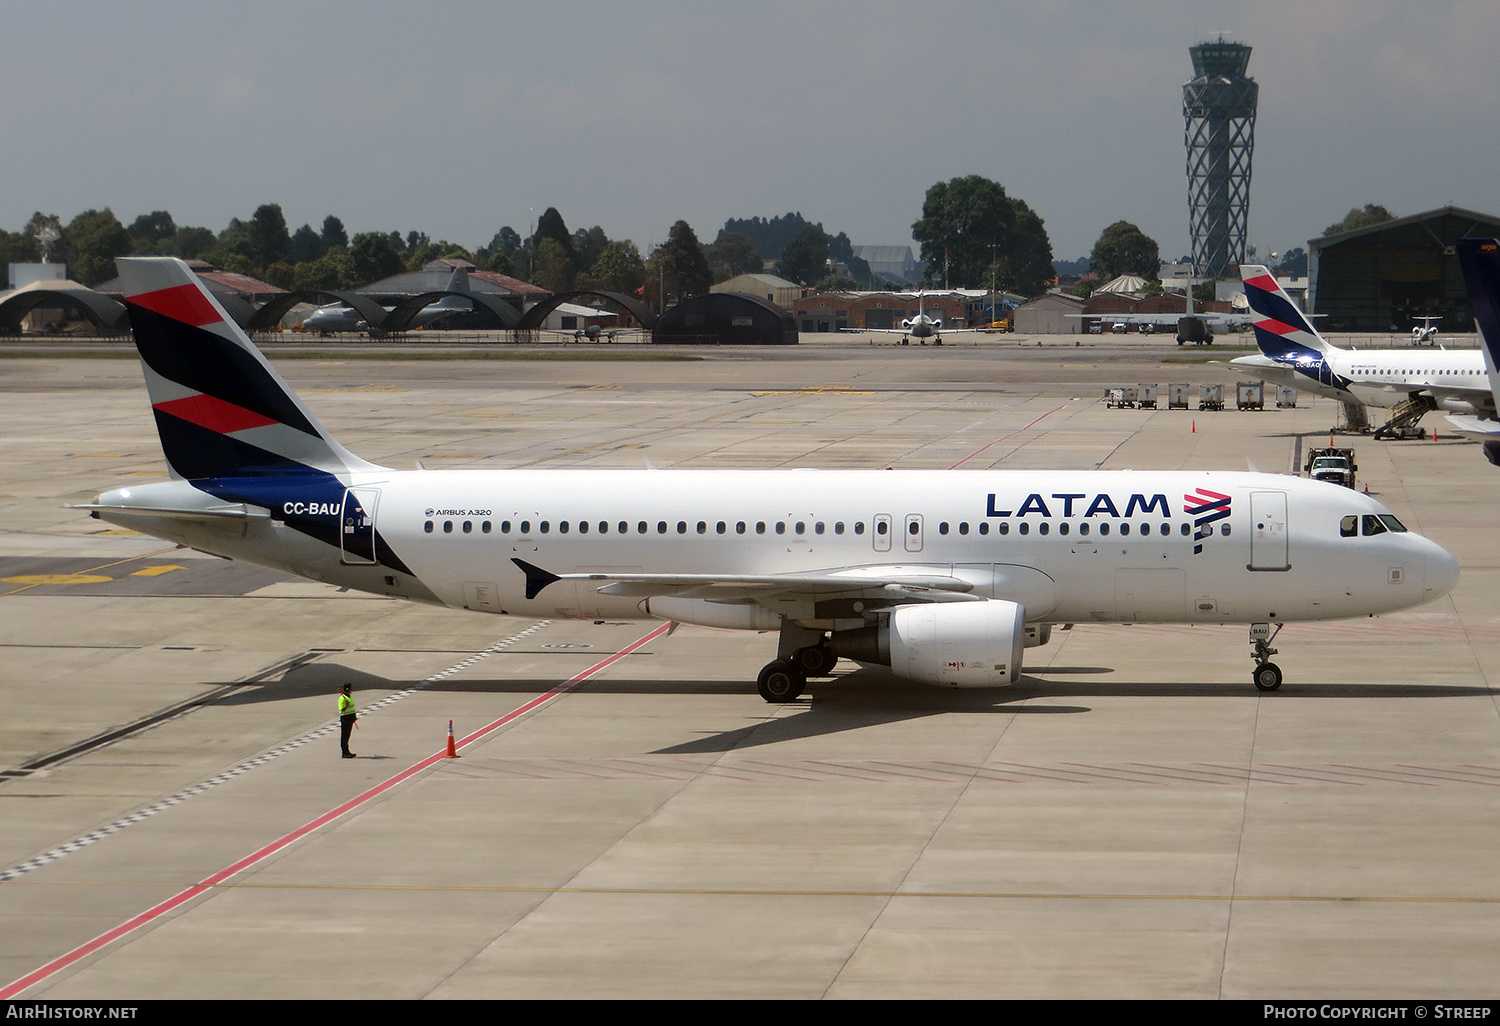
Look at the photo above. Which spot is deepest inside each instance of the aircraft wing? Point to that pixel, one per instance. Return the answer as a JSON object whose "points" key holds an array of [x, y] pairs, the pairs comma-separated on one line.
{"points": [[1474, 427], [888, 584]]}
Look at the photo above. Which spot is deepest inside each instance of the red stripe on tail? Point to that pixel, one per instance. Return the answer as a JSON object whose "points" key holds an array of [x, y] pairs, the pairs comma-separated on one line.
{"points": [[185, 303], [214, 414]]}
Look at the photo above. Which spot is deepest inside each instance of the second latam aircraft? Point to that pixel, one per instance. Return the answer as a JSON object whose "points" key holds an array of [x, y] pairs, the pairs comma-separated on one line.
{"points": [[943, 576], [1293, 353]]}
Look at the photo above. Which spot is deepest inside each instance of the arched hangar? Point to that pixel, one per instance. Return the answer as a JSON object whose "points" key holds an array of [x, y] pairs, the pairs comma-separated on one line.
{"points": [[726, 318]]}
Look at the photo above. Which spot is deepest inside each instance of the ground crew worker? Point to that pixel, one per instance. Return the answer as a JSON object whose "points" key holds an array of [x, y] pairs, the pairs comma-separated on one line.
{"points": [[346, 719]]}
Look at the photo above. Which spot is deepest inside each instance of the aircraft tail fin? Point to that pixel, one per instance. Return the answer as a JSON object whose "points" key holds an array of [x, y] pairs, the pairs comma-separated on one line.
{"points": [[221, 410], [1480, 260], [1282, 331]]}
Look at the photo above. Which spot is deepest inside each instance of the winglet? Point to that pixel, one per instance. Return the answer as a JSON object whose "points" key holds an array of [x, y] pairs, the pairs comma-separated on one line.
{"points": [[536, 577]]}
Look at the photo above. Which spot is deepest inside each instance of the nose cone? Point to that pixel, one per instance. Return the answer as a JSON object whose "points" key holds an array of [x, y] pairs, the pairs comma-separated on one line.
{"points": [[1440, 572]]}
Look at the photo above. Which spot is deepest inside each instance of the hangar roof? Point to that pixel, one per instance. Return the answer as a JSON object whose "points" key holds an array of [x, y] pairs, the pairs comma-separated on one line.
{"points": [[434, 277], [1442, 227]]}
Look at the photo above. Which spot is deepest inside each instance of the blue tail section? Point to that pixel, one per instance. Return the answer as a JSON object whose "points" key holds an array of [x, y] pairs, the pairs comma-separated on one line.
{"points": [[1480, 260]]}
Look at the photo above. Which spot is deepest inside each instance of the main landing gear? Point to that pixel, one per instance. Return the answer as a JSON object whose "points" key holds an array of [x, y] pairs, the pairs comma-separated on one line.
{"points": [[1267, 675], [785, 677]]}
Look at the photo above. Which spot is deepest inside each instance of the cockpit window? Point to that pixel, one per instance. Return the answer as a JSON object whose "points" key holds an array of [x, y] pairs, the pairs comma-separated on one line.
{"points": [[1392, 523], [1348, 527], [1372, 525]]}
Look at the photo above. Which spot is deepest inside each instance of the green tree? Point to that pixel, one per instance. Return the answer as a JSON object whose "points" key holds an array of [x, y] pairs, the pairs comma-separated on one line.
{"points": [[306, 245], [554, 268], [619, 268], [374, 257], [679, 266], [551, 226], [502, 252], [1293, 263], [191, 243], [804, 260], [1124, 249], [16, 248], [588, 246], [333, 271], [334, 235], [269, 239], [1357, 218], [94, 239], [233, 250], [153, 233], [733, 254], [1026, 267], [967, 223]]}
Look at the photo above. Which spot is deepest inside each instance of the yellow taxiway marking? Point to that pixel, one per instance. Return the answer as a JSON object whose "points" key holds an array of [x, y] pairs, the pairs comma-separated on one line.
{"points": [[156, 571], [87, 577]]}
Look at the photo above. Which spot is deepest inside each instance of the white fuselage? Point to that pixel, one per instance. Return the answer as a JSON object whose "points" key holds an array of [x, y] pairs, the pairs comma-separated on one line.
{"points": [[1381, 377], [1106, 546]]}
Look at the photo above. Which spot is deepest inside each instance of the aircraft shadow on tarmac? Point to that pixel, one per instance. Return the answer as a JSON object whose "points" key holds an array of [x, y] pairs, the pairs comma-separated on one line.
{"points": [[854, 700]]}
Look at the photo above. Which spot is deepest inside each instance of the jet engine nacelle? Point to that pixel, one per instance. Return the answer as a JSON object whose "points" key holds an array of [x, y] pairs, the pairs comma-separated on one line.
{"points": [[955, 644]]}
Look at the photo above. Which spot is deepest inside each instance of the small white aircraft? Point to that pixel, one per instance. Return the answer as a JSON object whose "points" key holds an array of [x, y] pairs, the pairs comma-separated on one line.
{"points": [[944, 576], [1293, 353], [1426, 331], [921, 327]]}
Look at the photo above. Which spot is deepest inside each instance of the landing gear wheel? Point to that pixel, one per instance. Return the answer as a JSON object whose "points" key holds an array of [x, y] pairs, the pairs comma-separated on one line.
{"points": [[815, 660], [780, 681], [1267, 677]]}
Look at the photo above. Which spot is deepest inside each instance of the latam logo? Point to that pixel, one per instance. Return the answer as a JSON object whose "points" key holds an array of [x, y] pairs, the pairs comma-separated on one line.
{"points": [[1205, 508]]}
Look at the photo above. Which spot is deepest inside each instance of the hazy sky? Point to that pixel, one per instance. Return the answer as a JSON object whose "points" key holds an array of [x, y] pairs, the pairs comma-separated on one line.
{"points": [[455, 118]]}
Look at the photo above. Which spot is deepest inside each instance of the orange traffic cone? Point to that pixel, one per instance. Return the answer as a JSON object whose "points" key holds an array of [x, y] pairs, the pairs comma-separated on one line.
{"points": [[452, 751], [1195, 428]]}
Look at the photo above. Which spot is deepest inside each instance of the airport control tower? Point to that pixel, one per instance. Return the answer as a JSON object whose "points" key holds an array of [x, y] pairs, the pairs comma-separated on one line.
{"points": [[1218, 113]]}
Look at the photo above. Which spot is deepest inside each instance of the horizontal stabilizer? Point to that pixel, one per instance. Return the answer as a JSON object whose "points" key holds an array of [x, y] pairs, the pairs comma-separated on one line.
{"points": [[235, 511]]}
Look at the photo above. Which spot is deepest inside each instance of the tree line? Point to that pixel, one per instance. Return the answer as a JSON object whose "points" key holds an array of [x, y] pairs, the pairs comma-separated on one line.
{"points": [[971, 234]]}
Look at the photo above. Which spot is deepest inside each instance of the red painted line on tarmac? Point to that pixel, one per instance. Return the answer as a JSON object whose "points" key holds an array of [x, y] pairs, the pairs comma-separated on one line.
{"points": [[181, 898], [1002, 438]]}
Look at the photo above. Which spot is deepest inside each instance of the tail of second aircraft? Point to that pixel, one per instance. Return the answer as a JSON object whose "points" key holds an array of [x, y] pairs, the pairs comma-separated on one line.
{"points": [[1480, 260], [221, 410], [1282, 331]]}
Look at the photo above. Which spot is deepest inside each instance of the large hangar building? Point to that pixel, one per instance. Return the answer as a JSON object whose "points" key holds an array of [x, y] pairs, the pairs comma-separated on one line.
{"points": [[1387, 276]]}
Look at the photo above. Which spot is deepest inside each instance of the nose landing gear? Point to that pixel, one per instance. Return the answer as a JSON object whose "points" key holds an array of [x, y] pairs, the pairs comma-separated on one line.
{"points": [[1267, 675]]}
